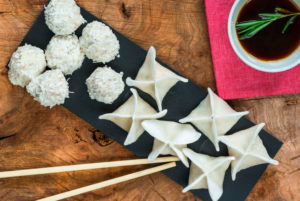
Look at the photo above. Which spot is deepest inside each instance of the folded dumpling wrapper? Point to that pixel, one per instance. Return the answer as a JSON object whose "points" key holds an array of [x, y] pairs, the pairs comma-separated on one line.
{"points": [[248, 149], [130, 115], [207, 172], [155, 79], [170, 138], [213, 117]]}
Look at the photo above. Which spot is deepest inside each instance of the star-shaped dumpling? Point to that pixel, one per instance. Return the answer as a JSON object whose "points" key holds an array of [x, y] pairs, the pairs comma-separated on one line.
{"points": [[170, 138], [248, 149], [207, 172], [214, 117], [130, 115], [155, 79], [161, 148]]}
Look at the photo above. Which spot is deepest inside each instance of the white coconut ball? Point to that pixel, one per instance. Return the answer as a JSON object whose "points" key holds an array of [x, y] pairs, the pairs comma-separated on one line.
{"points": [[26, 63], [105, 85], [64, 53], [99, 43], [63, 16], [49, 88]]}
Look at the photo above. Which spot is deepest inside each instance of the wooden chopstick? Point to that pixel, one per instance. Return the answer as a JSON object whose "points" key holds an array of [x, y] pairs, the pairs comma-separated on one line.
{"points": [[109, 182], [68, 168]]}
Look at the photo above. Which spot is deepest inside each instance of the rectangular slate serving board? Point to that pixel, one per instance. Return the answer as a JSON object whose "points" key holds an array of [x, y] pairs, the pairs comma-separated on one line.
{"points": [[179, 101]]}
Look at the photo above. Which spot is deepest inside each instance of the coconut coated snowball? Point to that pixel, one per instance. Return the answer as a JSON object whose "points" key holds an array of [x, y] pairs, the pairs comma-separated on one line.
{"points": [[105, 85], [26, 63], [64, 53], [63, 16], [49, 88], [99, 43]]}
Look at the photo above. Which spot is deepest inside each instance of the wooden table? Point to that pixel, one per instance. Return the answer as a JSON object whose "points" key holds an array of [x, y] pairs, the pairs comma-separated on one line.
{"points": [[34, 136]]}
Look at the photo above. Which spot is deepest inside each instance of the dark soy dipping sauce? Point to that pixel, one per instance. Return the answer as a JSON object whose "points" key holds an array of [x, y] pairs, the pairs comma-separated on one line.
{"points": [[270, 43]]}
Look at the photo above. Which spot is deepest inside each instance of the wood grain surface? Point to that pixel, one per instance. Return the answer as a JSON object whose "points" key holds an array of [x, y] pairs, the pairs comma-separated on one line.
{"points": [[33, 136]]}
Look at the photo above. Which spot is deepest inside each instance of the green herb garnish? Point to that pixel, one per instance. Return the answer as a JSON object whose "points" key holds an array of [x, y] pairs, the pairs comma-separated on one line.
{"points": [[250, 28]]}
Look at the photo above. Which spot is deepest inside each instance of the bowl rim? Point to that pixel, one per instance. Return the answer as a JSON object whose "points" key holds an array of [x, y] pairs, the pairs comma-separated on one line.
{"points": [[232, 36]]}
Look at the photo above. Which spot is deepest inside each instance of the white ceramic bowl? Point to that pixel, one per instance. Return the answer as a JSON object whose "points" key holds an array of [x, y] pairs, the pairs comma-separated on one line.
{"points": [[266, 66]]}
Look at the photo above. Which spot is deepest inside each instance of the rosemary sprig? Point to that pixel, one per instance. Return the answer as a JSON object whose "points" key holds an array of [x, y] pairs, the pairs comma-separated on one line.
{"points": [[291, 20], [250, 28]]}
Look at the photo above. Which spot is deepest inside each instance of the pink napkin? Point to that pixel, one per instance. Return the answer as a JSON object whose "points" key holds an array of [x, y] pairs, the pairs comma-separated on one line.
{"points": [[234, 78]]}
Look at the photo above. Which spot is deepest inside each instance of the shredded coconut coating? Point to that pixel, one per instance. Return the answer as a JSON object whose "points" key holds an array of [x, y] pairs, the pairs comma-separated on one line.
{"points": [[64, 53], [26, 63], [63, 16], [105, 85], [49, 88], [99, 43]]}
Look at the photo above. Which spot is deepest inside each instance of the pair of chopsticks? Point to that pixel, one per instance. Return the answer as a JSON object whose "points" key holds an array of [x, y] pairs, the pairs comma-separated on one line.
{"points": [[170, 162]]}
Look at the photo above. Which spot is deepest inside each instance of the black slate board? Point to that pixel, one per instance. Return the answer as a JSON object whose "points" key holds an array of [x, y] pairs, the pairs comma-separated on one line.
{"points": [[180, 100]]}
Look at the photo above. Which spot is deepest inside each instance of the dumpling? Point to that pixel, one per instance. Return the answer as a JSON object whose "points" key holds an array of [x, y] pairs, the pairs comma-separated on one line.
{"points": [[130, 115], [214, 117], [248, 149], [64, 53], [162, 148], [170, 138], [155, 79], [105, 85], [50, 88], [207, 172], [99, 43], [63, 16], [26, 63]]}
